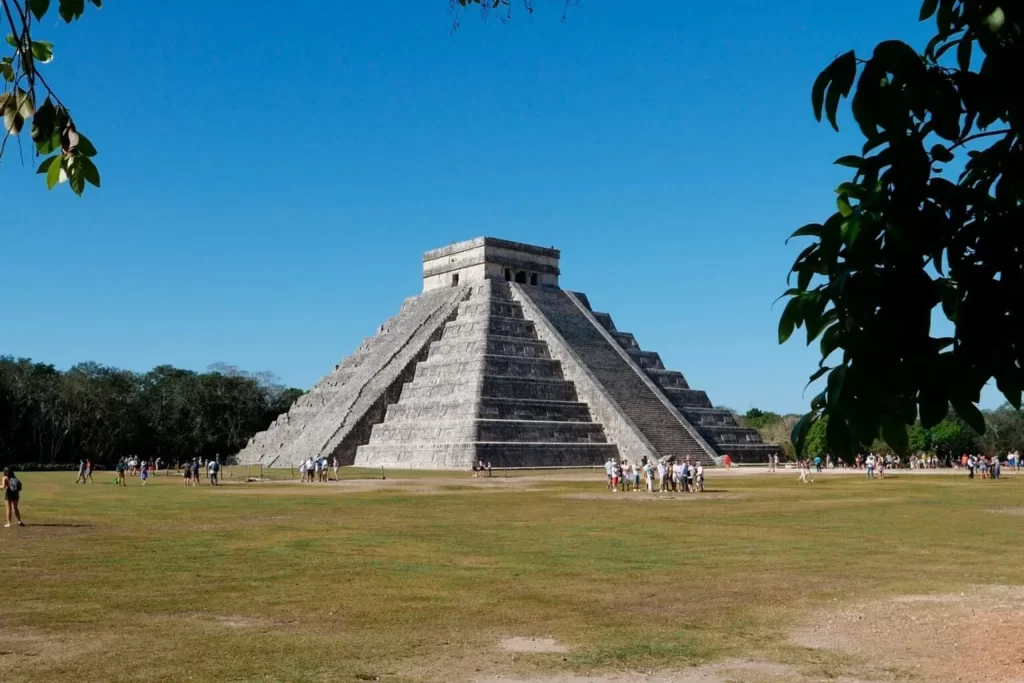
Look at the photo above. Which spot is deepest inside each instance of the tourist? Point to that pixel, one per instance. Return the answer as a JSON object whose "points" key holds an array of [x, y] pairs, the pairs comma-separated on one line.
{"points": [[609, 469], [727, 460], [143, 473], [817, 464], [649, 474], [214, 472], [120, 468], [488, 467], [195, 472], [804, 471], [662, 476], [996, 467], [88, 471], [870, 465], [616, 470], [302, 471], [636, 476], [334, 466], [12, 494], [187, 477], [700, 477], [691, 477], [81, 471], [310, 469]]}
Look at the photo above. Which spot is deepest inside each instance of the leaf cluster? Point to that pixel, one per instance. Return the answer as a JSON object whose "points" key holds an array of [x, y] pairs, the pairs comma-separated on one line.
{"points": [[906, 240], [52, 129]]}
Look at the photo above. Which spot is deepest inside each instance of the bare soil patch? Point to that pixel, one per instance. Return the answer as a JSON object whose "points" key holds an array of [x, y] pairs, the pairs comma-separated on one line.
{"points": [[1019, 511], [533, 645], [729, 671], [971, 637]]}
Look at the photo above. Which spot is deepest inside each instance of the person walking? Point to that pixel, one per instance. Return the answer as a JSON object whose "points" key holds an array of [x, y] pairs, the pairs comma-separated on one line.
{"points": [[12, 495], [81, 471], [214, 472], [187, 476], [119, 468], [88, 471], [817, 464], [334, 466], [195, 472], [144, 473]]}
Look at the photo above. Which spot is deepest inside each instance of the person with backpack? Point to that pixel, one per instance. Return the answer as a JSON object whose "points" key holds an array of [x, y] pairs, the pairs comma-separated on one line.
{"points": [[12, 494]]}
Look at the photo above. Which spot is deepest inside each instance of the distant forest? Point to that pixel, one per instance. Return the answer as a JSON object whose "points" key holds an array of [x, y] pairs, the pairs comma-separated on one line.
{"points": [[1004, 432], [50, 417]]}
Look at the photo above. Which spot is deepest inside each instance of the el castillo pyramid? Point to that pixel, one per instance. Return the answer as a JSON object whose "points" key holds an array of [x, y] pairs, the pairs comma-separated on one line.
{"points": [[495, 363]]}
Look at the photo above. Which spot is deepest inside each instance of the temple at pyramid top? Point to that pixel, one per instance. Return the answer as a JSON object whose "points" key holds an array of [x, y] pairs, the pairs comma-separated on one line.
{"points": [[495, 362], [490, 258]]}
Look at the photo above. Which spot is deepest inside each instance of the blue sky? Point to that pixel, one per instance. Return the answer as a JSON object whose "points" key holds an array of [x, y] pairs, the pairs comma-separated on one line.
{"points": [[271, 178]]}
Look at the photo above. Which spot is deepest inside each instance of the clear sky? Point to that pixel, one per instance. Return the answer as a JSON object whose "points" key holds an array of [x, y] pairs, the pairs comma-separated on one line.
{"points": [[272, 174]]}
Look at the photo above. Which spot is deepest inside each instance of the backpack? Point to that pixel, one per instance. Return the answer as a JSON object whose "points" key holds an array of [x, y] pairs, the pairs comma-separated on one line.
{"points": [[14, 484]]}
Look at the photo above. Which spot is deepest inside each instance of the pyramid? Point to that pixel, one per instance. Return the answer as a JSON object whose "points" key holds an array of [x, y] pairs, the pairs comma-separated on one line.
{"points": [[495, 363]]}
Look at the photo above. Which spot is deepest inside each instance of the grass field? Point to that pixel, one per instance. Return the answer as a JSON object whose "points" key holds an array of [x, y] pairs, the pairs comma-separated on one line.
{"points": [[420, 577]]}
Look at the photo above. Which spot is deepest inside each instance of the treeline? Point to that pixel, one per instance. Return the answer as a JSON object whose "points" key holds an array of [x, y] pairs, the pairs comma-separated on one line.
{"points": [[50, 417], [1004, 432]]}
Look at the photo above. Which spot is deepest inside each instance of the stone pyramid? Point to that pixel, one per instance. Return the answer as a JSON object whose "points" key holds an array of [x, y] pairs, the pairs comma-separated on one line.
{"points": [[494, 362]]}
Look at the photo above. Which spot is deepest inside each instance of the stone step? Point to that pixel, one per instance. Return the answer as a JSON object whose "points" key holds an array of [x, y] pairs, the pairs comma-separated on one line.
{"points": [[472, 430], [646, 359], [709, 416], [491, 387], [684, 399], [463, 456], [468, 327], [626, 340], [667, 378], [489, 408], [490, 307], [725, 435], [490, 344], [492, 365], [605, 320]]}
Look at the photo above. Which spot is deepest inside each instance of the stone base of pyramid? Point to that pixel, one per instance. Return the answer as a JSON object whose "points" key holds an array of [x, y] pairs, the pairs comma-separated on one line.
{"points": [[456, 456]]}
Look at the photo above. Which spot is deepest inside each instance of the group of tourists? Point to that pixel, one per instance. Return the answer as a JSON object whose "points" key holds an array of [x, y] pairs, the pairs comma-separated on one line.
{"points": [[192, 470], [318, 469], [672, 475], [480, 468], [984, 467]]}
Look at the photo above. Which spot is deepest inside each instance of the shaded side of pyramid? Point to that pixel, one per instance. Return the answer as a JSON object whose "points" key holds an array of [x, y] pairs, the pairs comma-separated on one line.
{"points": [[336, 415], [717, 426]]}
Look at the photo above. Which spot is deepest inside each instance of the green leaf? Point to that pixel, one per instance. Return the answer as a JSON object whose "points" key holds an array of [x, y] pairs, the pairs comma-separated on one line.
{"points": [[47, 162], [933, 406], [85, 146], [71, 10], [790, 319], [42, 51], [838, 436], [963, 51], [829, 341], [850, 160], [49, 145], [843, 70], [941, 154], [970, 414], [1009, 384], [850, 230], [844, 206], [53, 173], [98, 3], [836, 380], [38, 8], [817, 375], [928, 8], [799, 433], [7, 72], [809, 230], [818, 90], [12, 41], [44, 122], [76, 179], [88, 170], [894, 432]]}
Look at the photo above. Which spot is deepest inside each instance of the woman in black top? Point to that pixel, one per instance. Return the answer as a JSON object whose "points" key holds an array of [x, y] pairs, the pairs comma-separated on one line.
{"points": [[12, 493]]}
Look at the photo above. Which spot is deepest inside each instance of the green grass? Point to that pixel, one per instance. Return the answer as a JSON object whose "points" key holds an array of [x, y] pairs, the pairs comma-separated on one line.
{"points": [[278, 581]]}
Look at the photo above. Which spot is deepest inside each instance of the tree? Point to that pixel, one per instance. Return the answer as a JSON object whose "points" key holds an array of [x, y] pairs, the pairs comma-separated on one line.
{"points": [[951, 438], [68, 154], [919, 440], [906, 240]]}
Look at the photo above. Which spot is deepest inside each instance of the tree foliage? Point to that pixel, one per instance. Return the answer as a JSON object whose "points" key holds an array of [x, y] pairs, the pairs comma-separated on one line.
{"points": [[51, 417], [68, 153], [906, 240]]}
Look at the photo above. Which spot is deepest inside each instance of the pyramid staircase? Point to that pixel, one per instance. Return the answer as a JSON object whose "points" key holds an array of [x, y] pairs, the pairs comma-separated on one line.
{"points": [[716, 425], [488, 390]]}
